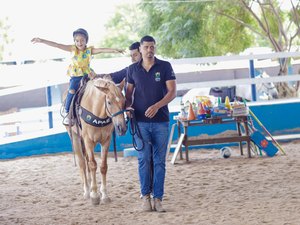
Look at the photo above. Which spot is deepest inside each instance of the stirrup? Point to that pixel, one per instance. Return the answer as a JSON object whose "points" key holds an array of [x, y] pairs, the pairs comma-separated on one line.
{"points": [[66, 120]]}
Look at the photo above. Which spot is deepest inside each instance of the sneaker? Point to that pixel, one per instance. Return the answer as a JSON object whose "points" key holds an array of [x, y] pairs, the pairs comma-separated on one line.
{"points": [[66, 121], [158, 206], [146, 205]]}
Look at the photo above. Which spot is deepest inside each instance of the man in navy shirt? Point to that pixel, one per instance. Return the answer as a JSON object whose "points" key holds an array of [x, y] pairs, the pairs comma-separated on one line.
{"points": [[135, 55], [151, 85]]}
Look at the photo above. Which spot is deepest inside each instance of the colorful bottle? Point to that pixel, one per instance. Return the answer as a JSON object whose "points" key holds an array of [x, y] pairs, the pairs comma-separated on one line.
{"points": [[183, 114], [201, 111]]}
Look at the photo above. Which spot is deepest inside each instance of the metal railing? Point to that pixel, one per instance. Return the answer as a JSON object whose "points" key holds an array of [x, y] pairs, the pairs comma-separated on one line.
{"points": [[14, 123]]}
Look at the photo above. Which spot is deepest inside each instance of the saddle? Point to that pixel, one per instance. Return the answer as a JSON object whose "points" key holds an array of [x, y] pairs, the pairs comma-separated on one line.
{"points": [[75, 104], [223, 92]]}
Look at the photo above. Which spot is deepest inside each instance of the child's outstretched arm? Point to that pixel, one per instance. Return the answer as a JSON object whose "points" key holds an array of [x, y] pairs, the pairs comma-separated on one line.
{"points": [[52, 44], [107, 50]]}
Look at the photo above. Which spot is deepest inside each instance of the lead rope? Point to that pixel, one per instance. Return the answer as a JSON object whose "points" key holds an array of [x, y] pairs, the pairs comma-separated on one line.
{"points": [[135, 130]]}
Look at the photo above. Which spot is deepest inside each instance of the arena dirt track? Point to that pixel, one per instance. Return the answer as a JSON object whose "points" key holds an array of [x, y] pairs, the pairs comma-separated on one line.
{"points": [[208, 190]]}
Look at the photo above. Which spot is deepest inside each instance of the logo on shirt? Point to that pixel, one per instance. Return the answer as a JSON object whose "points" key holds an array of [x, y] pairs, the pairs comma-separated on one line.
{"points": [[157, 76]]}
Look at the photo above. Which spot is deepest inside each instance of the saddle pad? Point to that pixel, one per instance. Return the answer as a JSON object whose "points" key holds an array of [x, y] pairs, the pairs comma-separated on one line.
{"points": [[267, 146]]}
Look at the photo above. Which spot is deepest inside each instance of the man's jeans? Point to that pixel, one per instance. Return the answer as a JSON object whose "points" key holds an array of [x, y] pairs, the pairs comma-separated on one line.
{"points": [[152, 158]]}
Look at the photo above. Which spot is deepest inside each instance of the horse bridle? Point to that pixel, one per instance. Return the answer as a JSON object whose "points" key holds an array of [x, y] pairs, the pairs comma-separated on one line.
{"points": [[113, 114], [134, 128]]}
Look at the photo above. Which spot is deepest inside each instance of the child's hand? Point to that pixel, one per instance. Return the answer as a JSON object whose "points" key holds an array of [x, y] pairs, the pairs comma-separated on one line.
{"points": [[120, 51], [36, 40], [92, 75]]}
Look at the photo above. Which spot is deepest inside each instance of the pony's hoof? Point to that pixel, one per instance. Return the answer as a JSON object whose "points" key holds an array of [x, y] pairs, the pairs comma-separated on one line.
{"points": [[86, 195], [95, 198], [95, 201], [105, 200]]}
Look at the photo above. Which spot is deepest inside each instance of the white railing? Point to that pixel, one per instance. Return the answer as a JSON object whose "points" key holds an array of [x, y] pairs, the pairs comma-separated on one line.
{"points": [[219, 83], [35, 120]]}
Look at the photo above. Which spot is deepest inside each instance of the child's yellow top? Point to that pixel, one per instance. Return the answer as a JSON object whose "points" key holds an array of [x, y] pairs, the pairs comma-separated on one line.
{"points": [[80, 64]]}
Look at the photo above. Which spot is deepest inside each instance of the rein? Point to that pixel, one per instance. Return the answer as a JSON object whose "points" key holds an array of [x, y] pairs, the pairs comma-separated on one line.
{"points": [[114, 114], [135, 130]]}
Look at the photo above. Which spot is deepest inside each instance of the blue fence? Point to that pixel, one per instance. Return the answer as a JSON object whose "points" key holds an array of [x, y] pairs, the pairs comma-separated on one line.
{"points": [[56, 140]]}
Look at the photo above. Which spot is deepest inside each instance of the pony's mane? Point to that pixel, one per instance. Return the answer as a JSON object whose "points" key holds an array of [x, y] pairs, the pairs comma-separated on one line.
{"points": [[91, 84], [103, 76]]}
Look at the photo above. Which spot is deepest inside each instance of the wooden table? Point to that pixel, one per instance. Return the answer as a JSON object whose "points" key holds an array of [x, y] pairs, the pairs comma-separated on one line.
{"points": [[242, 135]]}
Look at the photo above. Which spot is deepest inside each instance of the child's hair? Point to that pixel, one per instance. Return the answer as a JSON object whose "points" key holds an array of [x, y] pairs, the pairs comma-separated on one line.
{"points": [[82, 32]]}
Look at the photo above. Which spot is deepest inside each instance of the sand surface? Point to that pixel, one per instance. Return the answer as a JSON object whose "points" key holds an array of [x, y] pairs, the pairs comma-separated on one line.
{"points": [[208, 190]]}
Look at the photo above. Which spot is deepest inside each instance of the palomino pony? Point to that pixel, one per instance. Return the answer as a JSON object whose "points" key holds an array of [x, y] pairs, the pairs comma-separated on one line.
{"points": [[101, 110]]}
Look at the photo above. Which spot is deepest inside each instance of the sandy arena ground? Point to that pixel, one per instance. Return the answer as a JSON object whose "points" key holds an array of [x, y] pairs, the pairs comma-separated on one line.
{"points": [[209, 190]]}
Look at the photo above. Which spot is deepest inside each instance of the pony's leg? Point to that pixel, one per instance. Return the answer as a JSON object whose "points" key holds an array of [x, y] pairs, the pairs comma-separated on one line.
{"points": [[94, 195], [88, 172], [84, 178], [103, 170], [81, 159]]}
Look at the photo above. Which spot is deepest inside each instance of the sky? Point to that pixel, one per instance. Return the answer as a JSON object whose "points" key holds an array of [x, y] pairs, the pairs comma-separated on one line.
{"points": [[54, 20]]}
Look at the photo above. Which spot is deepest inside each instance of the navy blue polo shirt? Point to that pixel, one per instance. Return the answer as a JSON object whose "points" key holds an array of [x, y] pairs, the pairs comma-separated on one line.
{"points": [[150, 87], [118, 76]]}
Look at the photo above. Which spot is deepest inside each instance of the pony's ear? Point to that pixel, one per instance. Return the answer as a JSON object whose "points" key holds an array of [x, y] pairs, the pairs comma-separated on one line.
{"points": [[102, 85], [121, 85]]}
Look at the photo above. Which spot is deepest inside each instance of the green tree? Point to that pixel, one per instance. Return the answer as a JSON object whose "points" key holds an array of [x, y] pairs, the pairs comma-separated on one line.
{"points": [[272, 24], [182, 29], [4, 37], [278, 28], [208, 28], [193, 28], [123, 28]]}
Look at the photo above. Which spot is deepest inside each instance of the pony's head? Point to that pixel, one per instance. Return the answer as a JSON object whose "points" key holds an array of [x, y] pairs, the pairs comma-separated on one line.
{"points": [[114, 103], [266, 90]]}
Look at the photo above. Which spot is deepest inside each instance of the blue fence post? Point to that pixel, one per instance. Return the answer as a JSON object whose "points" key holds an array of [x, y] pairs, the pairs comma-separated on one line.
{"points": [[49, 103], [252, 75]]}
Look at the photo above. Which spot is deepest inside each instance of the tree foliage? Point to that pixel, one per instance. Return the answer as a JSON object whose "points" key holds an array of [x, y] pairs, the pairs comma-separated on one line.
{"points": [[206, 27], [278, 28], [212, 27], [193, 29], [4, 37], [123, 28], [182, 29]]}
